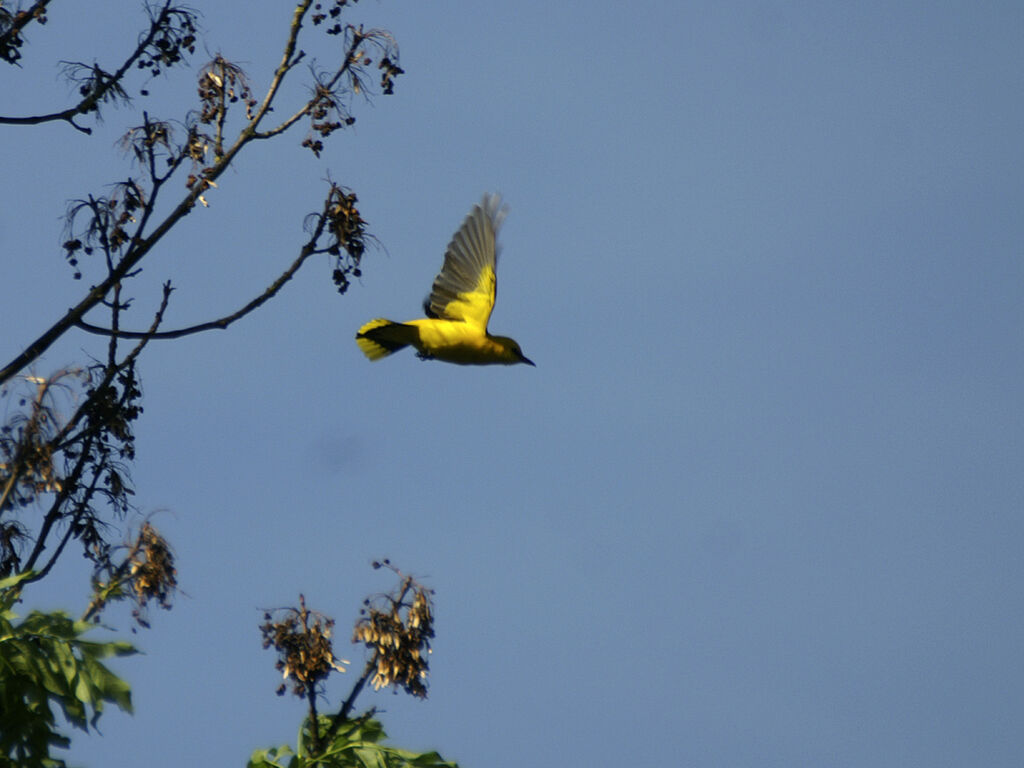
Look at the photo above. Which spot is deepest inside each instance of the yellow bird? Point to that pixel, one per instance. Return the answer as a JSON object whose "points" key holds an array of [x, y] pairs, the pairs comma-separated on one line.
{"points": [[459, 304]]}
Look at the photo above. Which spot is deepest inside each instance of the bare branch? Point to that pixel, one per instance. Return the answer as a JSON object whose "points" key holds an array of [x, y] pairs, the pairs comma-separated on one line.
{"points": [[56, 511], [101, 86], [288, 60], [68, 115], [12, 25], [52, 516], [58, 442], [346, 708], [357, 39], [139, 246], [221, 323]]}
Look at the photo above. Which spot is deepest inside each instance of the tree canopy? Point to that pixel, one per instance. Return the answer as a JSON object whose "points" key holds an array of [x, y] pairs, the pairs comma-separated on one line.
{"points": [[67, 445]]}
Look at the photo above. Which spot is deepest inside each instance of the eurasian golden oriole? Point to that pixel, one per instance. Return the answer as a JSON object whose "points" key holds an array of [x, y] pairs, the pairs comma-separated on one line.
{"points": [[459, 304]]}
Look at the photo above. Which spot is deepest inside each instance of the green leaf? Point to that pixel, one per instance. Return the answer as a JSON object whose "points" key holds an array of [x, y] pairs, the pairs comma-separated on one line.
{"points": [[272, 758], [355, 745], [46, 665]]}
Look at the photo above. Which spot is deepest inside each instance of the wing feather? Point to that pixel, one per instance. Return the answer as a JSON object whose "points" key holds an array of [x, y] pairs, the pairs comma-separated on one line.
{"points": [[466, 286]]}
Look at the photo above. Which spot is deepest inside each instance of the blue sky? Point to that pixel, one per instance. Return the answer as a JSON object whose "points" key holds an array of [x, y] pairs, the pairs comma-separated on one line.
{"points": [[759, 503]]}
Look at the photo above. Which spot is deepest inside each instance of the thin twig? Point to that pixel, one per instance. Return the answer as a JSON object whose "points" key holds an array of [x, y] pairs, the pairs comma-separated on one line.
{"points": [[357, 39], [68, 533], [57, 443], [346, 708], [221, 323], [95, 96], [118, 576], [283, 68], [140, 246], [54, 513], [21, 19]]}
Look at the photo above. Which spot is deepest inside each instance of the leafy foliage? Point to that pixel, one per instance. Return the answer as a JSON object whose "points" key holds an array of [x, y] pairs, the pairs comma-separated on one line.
{"points": [[355, 745], [45, 664]]}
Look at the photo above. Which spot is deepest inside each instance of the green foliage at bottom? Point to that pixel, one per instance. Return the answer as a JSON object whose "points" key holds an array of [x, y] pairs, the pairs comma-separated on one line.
{"points": [[45, 664], [356, 744]]}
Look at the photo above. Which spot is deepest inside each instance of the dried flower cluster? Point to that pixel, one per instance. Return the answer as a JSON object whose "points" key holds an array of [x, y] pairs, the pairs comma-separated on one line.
{"points": [[327, 114], [347, 230], [27, 469], [220, 83], [302, 639], [146, 139], [328, 109], [95, 85], [106, 222], [389, 71], [173, 35], [67, 447], [320, 15], [26, 453], [146, 572], [11, 25], [398, 631], [152, 568]]}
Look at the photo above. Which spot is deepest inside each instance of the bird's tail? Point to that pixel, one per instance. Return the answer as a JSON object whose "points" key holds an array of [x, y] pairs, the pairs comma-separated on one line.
{"points": [[380, 337]]}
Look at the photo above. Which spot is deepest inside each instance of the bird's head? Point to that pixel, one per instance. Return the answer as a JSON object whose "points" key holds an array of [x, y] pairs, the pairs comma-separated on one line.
{"points": [[515, 354]]}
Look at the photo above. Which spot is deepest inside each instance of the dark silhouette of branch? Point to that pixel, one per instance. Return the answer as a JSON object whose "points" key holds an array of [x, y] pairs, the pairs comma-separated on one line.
{"points": [[140, 246], [346, 708], [221, 323], [67, 115], [357, 39], [10, 38], [56, 511], [103, 87], [287, 62], [60, 441]]}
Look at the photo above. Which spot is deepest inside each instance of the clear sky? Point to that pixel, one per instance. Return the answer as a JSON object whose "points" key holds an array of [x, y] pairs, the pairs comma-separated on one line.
{"points": [[759, 503]]}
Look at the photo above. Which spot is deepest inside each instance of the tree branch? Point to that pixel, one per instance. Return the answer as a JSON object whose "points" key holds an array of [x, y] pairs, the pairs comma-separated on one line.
{"points": [[221, 323], [136, 252], [9, 40], [357, 39], [55, 511], [71, 482], [53, 516], [140, 246], [59, 441], [346, 708], [283, 68], [67, 115], [96, 95]]}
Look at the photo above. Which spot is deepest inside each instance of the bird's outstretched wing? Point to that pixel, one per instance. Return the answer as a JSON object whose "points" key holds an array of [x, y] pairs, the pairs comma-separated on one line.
{"points": [[467, 284]]}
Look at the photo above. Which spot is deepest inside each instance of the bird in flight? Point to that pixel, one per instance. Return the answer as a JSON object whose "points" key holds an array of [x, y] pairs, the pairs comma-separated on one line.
{"points": [[459, 304]]}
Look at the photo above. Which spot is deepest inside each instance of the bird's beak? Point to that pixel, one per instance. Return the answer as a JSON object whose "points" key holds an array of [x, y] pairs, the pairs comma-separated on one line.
{"points": [[524, 359]]}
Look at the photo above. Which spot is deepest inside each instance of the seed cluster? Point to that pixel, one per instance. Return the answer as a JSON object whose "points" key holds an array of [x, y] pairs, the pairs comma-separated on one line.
{"points": [[399, 634]]}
